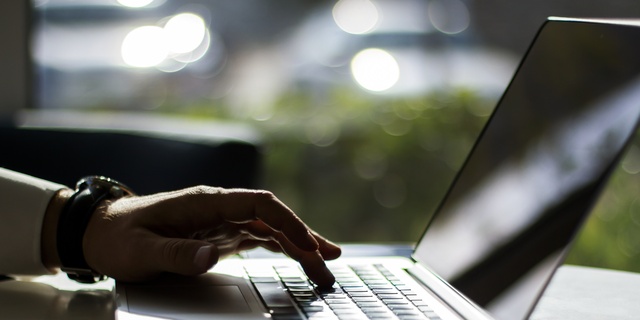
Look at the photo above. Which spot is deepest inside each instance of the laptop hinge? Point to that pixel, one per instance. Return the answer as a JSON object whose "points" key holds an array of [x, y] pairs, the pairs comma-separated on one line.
{"points": [[449, 296]]}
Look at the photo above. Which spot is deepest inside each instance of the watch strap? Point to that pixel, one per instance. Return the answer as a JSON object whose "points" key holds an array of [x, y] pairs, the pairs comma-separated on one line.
{"points": [[73, 221]]}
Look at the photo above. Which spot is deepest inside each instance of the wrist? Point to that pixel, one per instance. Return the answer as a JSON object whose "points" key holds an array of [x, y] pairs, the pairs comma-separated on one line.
{"points": [[49, 250]]}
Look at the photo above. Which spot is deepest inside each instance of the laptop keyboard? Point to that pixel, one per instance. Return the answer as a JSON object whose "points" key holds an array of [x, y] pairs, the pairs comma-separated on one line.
{"points": [[360, 292]]}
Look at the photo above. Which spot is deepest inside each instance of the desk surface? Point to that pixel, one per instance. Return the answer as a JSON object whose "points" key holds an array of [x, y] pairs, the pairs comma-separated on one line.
{"points": [[574, 293], [589, 293]]}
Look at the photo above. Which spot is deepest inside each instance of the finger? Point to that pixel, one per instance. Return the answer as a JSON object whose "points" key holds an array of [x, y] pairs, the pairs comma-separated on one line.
{"points": [[328, 249], [258, 230], [311, 262], [264, 206]]}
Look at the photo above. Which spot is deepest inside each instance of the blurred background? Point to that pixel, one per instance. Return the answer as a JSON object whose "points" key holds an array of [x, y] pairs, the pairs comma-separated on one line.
{"points": [[364, 109]]}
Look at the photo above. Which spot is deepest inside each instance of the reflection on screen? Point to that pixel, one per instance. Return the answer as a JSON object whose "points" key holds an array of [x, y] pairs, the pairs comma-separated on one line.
{"points": [[545, 154]]}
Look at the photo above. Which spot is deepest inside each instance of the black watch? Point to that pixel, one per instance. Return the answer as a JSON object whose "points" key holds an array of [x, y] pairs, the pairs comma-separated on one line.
{"points": [[89, 193]]}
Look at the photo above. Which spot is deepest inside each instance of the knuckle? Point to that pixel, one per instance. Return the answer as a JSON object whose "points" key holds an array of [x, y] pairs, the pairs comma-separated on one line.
{"points": [[261, 196], [200, 189]]}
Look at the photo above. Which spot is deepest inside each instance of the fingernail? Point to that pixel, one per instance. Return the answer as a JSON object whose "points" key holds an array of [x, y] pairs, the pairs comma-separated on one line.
{"points": [[201, 259], [328, 279]]}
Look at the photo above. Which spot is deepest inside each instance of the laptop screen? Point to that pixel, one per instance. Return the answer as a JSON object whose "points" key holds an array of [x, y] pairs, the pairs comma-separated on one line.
{"points": [[540, 163]]}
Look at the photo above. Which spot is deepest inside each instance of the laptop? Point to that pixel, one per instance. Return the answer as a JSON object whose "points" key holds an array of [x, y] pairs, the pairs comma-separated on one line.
{"points": [[529, 182]]}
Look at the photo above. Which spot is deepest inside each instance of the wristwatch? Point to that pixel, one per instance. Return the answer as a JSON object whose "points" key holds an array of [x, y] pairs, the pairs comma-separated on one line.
{"points": [[90, 192]]}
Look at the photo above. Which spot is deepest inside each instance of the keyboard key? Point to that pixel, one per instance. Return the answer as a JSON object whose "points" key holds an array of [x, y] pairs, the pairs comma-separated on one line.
{"points": [[264, 279], [375, 310], [377, 304], [396, 302], [302, 294], [293, 279], [349, 282], [353, 317], [284, 311], [306, 299], [335, 296], [407, 313], [318, 303], [313, 309], [273, 294], [401, 307], [336, 301], [380, 316], [365, 299], [355, 289], [394, 295], [346, 306], [381, 286], [377, 291], [327, 314], [304, 289], [375, 281], [425, 309], [361, 294]]}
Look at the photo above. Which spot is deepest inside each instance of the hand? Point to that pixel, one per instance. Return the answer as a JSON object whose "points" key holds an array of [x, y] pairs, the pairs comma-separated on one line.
{"points": [[187, 231]]}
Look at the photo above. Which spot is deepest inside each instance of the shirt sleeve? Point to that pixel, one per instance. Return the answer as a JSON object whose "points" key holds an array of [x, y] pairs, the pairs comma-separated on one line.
{"points": [[23, 202]]}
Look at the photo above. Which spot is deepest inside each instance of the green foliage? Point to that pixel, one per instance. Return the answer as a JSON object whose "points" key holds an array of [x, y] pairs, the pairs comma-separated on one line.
{"points": [[610, 237], [365, 167]]}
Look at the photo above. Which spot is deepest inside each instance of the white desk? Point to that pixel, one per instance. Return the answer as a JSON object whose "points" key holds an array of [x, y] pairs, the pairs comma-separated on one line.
{"points": [[589, 293], [574, 293]]}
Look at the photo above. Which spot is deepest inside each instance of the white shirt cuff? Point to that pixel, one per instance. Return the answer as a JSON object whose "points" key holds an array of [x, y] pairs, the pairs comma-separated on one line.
{"points": [[23, 202]]}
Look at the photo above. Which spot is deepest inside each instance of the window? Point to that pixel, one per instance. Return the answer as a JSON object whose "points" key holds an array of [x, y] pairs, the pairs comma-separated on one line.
{"points": [[367, 108]]}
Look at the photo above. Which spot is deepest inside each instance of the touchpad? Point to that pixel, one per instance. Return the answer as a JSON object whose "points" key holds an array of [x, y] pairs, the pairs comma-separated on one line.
{"points": [[186, 302]]}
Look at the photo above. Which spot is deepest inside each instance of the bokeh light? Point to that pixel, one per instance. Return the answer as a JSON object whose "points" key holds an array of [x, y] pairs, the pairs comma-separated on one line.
{"points": [[185, 32], [184, 38], [631, 162], [197, 53], [322, 131], [375, 69], [135, 3], [449, 16], [371, 163], [145, 47], [390, 191], [355, 16]]}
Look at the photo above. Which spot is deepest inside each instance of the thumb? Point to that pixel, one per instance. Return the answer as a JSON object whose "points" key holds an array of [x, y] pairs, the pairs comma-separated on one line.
{"points": [[184, 256]]}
